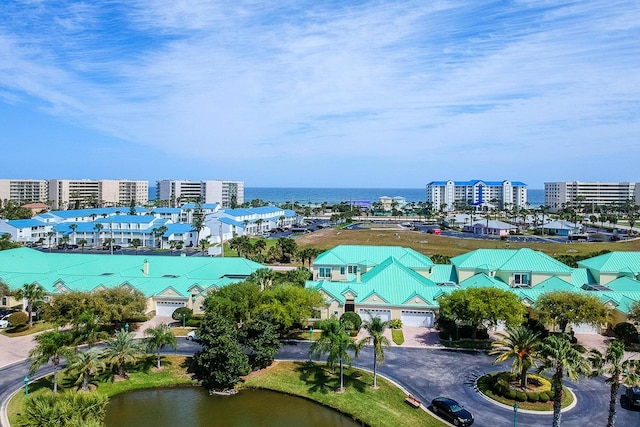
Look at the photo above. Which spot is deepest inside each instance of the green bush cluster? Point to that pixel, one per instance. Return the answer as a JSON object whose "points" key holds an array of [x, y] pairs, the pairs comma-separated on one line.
{"points": [[543, 397], [498, 385], [19, 318], [353, 319], [533, 397], [395, 324]]}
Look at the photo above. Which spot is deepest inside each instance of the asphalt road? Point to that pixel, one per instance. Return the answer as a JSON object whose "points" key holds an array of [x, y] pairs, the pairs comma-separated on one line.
{"points": [[427, 373]]}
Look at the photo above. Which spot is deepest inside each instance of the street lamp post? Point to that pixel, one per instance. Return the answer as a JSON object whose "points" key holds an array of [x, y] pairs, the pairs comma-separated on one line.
{"points": [[515, 414], [183, 319], [26, 386], [310, 342], [126, 327]]}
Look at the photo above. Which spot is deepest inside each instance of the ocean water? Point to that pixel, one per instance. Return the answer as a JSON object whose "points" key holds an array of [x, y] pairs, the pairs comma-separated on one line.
{"points": [[278, 195]]}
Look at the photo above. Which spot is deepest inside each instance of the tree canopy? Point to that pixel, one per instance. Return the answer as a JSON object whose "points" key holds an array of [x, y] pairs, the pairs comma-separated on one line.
{"points": [[482, 307], [564, 307]]}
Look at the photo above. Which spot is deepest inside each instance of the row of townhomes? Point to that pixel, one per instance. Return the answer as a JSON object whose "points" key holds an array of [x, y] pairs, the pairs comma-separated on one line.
{"points": [[400, 283], [151, 227], [385, 281]]}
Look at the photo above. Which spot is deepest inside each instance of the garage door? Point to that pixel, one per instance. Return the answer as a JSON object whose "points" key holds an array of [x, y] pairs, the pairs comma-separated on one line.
{"points": [[166, 308], [367, 314], [417, 318]]}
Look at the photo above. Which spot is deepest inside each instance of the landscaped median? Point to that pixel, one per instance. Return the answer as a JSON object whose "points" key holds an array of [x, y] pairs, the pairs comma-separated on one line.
{"points": [[384, 406]]}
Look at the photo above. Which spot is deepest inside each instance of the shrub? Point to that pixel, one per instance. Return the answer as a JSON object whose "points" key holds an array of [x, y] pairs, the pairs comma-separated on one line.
{"points": [[193, 323], [447, 325], [627, 332], [395, 324], [521, 396], [19, 318], [511, 394], [543, 397], [532, 397], [353, 319], [535, 325], [178, 312]]}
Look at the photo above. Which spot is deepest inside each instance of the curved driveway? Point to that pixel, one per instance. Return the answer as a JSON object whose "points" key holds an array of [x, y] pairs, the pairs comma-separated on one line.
{"points": [[426, 373]]}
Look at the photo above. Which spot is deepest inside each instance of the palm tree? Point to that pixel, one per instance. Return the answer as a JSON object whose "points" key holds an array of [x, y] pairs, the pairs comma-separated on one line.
{"points": [[263, 276], [73, 228], [618, 370], [336, 343], [98, 227], [158, 337], [32, 292], [375, 327], [560, 357], [4, 289], [522, 344], [88, 364], [51, 345], [122, 349], [50, 235], [158, 232], [82, 243]]}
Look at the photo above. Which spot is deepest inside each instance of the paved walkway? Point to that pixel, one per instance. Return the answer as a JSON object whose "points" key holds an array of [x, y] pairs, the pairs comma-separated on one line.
{"points": [[15, 349]]}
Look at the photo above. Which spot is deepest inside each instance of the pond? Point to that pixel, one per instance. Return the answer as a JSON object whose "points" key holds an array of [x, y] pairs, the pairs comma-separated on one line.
{"points": [[193, 406]]}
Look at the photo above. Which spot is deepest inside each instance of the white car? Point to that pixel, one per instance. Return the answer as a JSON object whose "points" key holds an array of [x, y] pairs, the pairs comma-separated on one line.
{"points": [[191, 336], [4, 323]]}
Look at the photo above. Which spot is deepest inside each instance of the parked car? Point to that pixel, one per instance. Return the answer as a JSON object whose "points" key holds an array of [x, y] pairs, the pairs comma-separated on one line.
{"points": [[4, 323], [451, 411], [633, 396], [107, 246], [191, 336]]}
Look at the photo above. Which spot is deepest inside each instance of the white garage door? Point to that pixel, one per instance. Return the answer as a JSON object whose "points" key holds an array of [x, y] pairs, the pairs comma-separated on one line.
{"points": [[367, 314], [166, 308], [584, 329], [417, 318]]}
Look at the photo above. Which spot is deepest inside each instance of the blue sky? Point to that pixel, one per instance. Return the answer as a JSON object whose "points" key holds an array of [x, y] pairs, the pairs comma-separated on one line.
{"points": [[321, 94]]}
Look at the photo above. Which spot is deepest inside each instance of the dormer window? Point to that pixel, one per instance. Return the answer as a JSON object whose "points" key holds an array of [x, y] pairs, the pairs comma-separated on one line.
{"points": [[521, 279]]}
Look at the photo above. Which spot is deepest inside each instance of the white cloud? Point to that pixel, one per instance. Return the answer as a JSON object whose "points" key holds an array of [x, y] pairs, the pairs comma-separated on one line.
{"points": [[428, 92]]}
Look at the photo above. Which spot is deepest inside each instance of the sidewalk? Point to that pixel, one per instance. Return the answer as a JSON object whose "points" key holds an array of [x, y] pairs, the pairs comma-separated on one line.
{"points": [[15, 349]]}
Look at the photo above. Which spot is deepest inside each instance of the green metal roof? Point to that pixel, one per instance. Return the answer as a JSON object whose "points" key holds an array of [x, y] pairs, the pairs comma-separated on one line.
{"points": [[86, 272]]}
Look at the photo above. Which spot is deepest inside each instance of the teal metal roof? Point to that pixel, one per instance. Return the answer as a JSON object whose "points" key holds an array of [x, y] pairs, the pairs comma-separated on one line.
{"points": [[373, 255], [614, 262], [85, 272], [510, 260]]}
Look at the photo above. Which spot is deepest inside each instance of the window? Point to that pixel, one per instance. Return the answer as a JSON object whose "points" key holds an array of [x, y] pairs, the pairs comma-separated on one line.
{"points": [[4, 301], [353, 269], [324, 272], [521, 279], [342, 270]]}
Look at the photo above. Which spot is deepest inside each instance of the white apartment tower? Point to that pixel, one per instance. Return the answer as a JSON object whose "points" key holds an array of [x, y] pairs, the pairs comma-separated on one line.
{"points": [[574, 193], [64, 193], [24, 190], [447, 195], [225, 193]]}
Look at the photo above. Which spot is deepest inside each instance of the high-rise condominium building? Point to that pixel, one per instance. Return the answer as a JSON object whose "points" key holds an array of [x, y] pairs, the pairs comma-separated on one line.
{"points": [[24, 190], [576, 193], [226, 193], [66, 193], [449, 195]]}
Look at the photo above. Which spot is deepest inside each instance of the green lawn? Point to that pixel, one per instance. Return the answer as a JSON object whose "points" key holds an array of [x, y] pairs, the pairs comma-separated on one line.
{"points": [[174, 373], [20, 331], [384, 406], [397, 336]]}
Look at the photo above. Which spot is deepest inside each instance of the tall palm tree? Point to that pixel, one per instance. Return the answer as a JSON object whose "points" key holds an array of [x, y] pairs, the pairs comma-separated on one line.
{"points": [[520, 343], [82, 243], [32, 292], [158, 337], [375, 327], [136, 243], [618, 370], [98, 227], [50, 346], [335, 343], [122, 349], [263, 276], [73, 228], [50, 235], [560, 357], [87, 364]]}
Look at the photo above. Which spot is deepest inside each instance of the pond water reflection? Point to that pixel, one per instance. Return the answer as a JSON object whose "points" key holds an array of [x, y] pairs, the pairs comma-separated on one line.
{"points": [[194, 407]]}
